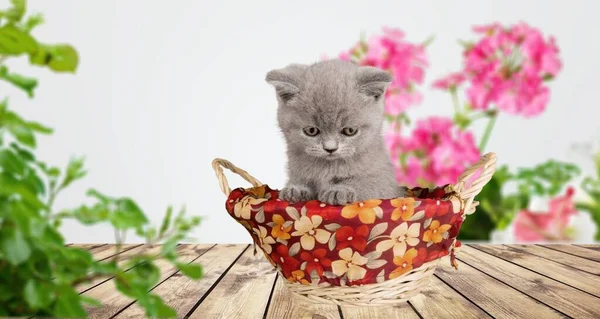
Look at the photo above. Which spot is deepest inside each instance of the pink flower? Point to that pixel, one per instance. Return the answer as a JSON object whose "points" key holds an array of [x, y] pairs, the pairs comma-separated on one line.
{"points": [[404, 60], [451, 81], [508, 68], [436, 153], [546, 226]]}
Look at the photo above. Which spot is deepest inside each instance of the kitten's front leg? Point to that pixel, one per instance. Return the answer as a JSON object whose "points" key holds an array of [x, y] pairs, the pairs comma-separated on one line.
{"points": [[338, 195], [296, 193]]}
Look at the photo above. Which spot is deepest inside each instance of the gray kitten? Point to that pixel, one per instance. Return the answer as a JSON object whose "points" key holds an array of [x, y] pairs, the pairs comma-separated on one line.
{"points": [[331, 115]]}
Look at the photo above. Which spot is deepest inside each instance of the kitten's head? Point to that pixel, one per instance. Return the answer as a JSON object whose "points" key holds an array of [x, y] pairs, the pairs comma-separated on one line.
{"points": [[331, 109]]}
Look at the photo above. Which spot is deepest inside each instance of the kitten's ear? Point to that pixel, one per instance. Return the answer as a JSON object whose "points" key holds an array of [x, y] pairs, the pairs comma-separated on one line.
{"points": [[373, 81], [286, 81]]}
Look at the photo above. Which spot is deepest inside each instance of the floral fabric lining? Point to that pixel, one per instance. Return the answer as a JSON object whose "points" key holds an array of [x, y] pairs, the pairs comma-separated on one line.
{"points": [[361, 243]]}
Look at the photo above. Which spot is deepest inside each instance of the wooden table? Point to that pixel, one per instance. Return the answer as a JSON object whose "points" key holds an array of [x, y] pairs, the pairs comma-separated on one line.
{"points": [[515, 281]]}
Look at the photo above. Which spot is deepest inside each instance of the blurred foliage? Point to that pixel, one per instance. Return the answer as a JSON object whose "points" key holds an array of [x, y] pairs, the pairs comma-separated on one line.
{"points": [[591, 186], [38, 273], [497, 208]]}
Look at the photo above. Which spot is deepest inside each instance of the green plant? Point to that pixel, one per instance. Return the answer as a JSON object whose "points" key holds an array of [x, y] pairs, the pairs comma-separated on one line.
{"points": [[591, 186], [38, 273], [498, 207]]}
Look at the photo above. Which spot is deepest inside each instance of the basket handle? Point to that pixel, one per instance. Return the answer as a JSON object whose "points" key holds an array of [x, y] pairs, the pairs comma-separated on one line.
{"points": [[487, 165], [218, 164]]}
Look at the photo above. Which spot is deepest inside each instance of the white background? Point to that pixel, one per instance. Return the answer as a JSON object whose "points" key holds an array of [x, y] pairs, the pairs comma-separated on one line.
{"points": [[166, 86]]}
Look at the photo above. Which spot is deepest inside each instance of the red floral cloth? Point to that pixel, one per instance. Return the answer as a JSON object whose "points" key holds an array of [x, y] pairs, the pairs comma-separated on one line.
{"points": [[361, 243]]}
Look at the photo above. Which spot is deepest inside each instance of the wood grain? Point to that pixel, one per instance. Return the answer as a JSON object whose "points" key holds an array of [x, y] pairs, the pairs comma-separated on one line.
{"points": [[562, 258], [107, 251], [595, 247], [440, 300], [249, 282], [570, 301], [123, 258], [113, 301], [183, 293], [283, 306], [494, 297], [85, 246], [401, 312], [568, 275], [576, 251]]}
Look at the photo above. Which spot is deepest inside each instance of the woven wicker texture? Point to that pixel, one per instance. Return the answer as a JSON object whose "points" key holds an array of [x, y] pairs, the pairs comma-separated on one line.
{"points": [[392, 291]]}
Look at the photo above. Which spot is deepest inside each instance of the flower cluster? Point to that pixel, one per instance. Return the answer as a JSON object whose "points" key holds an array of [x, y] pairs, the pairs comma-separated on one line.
{"points": [[436, 152], [507, 68], [404, 60]]}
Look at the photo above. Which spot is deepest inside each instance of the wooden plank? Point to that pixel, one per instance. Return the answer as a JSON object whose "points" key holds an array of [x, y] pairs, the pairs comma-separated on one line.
{"points": [[491, 295], [573, 277], [248, 282], [107, 251], [595, 247], [570, 301], [404, 311], [113, 301], [439, 300], [123, 258], [560, 257], [577, 251], [183, 293], [282, 305]]}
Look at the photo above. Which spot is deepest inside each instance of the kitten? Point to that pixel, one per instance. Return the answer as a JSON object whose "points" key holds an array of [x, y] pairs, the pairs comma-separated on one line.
{"points": [[331, 115]]}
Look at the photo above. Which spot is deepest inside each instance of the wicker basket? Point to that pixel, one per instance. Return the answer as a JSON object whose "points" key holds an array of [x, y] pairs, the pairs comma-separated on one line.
{"points": [[322, 289]]}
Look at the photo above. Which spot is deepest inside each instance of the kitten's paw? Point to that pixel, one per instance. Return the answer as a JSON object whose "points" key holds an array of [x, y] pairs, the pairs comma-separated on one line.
{"points": [[338, 195], [295, 193]]}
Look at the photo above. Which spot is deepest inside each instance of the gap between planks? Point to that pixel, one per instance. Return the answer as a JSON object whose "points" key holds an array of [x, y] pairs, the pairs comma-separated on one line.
{"points": [[565, 299]]}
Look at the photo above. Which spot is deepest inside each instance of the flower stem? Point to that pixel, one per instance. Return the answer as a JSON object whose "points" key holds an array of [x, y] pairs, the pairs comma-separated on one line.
{"points": [[455, 100], [488, 131]]}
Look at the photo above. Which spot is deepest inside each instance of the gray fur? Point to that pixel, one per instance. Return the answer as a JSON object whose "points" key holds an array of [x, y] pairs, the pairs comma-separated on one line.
{"points": [[332, 95]]}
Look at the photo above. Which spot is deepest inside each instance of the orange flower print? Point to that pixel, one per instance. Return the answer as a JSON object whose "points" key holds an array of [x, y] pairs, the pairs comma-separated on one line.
{"points": [[298, 276], [404, 208], [279, 231], [366, 210], [404, 263], [435, 233]]}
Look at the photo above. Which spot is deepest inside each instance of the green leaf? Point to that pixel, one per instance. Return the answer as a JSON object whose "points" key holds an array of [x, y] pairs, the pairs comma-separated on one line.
{"points": [[68, 304], [40, 128], [33, 21], [24, 83], [14, 246], [89, 216], [59, 57], [16, 12], [168, 248], [9, 186], [9, 162], [99, 196], [14, 41], [74, 172], [156, 308], [166, 222], [37, 294], [193, 271], [127, 215]]}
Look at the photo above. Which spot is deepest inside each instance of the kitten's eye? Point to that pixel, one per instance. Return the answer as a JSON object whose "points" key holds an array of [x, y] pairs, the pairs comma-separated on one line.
{"points": [[311, 131], [349, 131]]}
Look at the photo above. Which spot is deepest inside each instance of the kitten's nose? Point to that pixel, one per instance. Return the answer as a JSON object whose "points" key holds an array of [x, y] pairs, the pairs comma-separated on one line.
{"points": [[330, 146], [330, 150]]}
